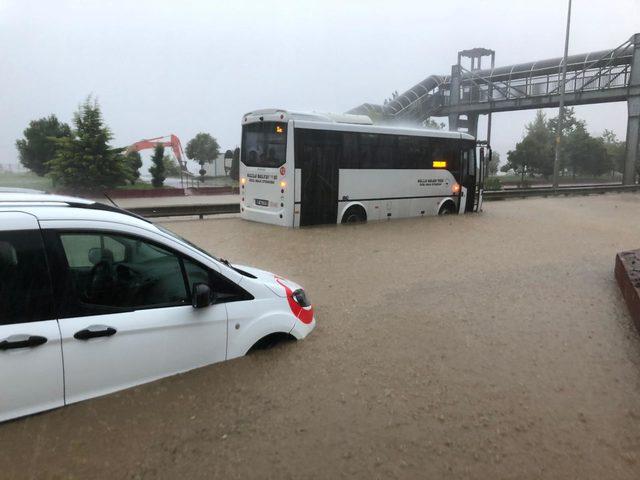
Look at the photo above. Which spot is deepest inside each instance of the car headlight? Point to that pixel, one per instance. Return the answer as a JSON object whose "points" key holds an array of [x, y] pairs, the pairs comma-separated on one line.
{"points": [[300, 298]]}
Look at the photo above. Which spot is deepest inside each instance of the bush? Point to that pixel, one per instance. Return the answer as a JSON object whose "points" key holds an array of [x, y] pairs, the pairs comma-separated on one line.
{"points": [[493, 183]]}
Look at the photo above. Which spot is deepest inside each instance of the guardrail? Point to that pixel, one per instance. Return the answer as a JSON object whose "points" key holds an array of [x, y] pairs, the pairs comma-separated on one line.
{"points": [[228, 208], [551, 192], [187, 210]]}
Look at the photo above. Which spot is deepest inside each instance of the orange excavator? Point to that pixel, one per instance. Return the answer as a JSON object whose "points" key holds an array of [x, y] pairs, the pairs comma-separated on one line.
{"points": [[168, 141]]}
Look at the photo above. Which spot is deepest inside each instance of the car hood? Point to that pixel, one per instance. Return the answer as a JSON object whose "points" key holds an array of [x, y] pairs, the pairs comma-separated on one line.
{"points": [[273, 282]]}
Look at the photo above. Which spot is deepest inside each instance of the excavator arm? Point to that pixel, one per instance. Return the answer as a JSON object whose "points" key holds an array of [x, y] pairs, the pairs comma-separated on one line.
{"points": [[171, 141]]}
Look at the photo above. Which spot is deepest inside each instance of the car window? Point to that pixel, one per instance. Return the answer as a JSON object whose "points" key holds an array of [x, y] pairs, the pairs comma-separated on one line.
{"points": [[196, 274], [25, 286], [222, 289], [76, 246], [109, 270]]}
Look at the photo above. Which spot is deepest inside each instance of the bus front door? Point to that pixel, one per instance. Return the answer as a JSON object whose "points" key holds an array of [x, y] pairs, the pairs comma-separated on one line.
{"points": [[468, 175], [483, 162], [319, 178]]}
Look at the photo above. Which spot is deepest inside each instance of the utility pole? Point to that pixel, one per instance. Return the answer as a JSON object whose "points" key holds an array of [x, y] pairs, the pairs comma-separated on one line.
{"points": [[556, 160]]}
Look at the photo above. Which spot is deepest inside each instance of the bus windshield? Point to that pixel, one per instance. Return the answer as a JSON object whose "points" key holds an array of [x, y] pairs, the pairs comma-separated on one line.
{"points": [[264, 144]]}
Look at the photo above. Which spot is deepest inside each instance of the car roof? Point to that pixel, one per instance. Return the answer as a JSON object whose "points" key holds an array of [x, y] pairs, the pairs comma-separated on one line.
{"points": [[62, 207], [39, 198]]}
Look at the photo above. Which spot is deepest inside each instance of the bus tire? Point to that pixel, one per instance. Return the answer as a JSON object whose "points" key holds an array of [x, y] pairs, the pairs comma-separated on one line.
{"points": [[447, 208], [354, 214]]}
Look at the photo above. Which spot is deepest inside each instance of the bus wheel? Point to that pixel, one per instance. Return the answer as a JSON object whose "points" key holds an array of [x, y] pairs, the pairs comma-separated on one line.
{"points": [[355, 214], [448, 208]]}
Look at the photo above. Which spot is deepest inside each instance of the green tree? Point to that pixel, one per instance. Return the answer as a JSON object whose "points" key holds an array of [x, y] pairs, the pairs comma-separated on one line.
{"points": [[616, 150], [133, 162], [171, 167], [157, 170], [203, 148], [234, 173], [492, 166], [85, 161], [569, 124], [38, 147], [517, 161], [585, 154], [535, 153]]}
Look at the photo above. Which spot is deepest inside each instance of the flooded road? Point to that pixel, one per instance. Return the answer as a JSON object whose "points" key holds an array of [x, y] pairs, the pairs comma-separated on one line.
{"points": [[484, 346]]}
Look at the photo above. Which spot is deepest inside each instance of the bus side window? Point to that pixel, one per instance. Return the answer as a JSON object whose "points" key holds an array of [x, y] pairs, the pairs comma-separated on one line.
{"points": [[406, 153], [349, 152], [366, 149], [448, 151], [426, 151], [453, 158], [438, 153], [384, 153], [413, 153]]}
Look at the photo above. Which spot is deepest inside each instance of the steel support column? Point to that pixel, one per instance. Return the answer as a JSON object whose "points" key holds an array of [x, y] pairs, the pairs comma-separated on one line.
{"points": [[633, 120], [454, 96], [472, 124]]}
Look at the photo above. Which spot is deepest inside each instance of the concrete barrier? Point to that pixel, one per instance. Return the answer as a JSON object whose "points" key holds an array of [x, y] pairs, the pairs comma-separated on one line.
{"points": [[627, 272]]}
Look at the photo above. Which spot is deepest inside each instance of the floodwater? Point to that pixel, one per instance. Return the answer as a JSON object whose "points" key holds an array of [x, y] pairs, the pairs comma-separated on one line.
{"points": [[483, 346]]}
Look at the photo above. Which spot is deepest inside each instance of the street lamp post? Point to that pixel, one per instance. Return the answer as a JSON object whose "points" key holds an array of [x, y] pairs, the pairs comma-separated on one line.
{"points": [[556, 160]]}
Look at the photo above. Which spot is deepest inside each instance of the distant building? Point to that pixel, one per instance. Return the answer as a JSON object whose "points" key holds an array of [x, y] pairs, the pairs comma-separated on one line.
{"points": [[216, 168]]}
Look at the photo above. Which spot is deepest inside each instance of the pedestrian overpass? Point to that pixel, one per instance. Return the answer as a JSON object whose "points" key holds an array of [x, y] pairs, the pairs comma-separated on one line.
{"points": [[596, 77]]}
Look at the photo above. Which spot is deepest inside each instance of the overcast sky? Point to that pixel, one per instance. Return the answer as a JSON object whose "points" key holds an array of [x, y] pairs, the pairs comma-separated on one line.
{"points": [[182, 67]]}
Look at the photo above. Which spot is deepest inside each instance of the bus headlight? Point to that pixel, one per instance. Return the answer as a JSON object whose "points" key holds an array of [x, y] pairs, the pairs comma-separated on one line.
{"points": [[300, 298], [243, 180], [455, 188], [283, 184]]}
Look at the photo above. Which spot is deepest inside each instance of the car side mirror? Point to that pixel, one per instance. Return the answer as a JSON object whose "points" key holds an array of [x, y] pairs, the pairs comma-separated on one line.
{"points": [[201, 295]]}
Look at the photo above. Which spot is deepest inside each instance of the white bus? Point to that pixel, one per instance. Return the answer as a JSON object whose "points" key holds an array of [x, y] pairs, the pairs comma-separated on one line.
{"points": [[300, 169]]}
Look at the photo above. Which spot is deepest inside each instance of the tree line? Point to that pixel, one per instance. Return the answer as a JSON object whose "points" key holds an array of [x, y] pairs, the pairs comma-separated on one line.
{"points": [[81, 158], [580, 154]]}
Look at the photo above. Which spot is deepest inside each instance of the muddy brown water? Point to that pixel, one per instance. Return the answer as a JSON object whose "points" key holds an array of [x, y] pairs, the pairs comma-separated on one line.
{"points": [[484, 346]]}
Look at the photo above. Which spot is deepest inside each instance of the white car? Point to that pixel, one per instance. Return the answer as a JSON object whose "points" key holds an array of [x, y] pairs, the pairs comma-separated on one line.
{"points": [[94, 299]]}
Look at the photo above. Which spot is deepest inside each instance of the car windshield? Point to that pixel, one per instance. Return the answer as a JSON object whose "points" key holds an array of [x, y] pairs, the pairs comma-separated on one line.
{"points": [[184, 240]]}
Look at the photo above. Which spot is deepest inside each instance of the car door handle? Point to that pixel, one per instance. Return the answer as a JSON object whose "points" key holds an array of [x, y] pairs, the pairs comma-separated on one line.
{"points": [[95, 331], [22, 341]]}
